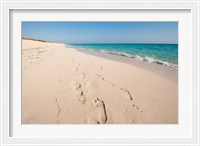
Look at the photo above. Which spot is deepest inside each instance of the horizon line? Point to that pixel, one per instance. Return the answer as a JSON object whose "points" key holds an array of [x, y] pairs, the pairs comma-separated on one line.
{"points": [[27, 38]]}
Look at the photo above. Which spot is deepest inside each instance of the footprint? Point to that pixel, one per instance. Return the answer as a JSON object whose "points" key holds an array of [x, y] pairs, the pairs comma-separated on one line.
{"points": [[105, 80], [112, 84], [100, 76], [137, 108], [127, 93], [82, 99], [75, 85], [79, 92], [76, 64], [59, 111], [101, 110]]}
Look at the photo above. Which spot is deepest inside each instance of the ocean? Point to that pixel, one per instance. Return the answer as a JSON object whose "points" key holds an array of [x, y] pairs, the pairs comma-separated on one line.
{"points": [[163, 54]]}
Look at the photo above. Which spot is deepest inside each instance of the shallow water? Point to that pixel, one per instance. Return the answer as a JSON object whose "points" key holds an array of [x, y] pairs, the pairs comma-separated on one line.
{"points": [[165, 54]]}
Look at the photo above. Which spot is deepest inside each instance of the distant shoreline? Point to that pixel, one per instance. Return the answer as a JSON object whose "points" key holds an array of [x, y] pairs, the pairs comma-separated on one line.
{"points": [[34, 39]]}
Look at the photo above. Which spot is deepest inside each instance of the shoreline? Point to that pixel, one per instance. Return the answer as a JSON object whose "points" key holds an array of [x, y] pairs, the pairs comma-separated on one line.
{"points": [[138, 57], [162, 70]]}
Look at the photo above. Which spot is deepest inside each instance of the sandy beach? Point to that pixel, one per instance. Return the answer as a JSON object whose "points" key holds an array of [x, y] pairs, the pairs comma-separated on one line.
{"points": [[64, 85]]}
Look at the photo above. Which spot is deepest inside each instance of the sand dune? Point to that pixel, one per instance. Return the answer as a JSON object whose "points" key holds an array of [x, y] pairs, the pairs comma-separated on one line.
{"points": [[61, 85]]}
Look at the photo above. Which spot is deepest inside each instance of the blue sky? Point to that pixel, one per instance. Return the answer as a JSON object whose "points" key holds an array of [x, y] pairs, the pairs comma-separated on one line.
{"points": [[102, 32]]}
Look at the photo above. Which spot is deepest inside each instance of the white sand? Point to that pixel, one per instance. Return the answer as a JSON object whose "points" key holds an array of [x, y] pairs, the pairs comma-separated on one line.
{"points": [[61, 85]]}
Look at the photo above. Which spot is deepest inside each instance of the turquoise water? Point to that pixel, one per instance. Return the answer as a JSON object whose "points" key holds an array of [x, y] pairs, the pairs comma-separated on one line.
{"points": [[165, 54]]}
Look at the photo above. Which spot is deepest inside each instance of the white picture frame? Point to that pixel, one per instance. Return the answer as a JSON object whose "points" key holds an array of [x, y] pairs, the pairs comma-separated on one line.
{"points": [[7, 90]]}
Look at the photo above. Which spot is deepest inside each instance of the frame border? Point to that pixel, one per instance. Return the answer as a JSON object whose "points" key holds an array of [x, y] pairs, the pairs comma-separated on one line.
{"points": [[6, 5]]}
